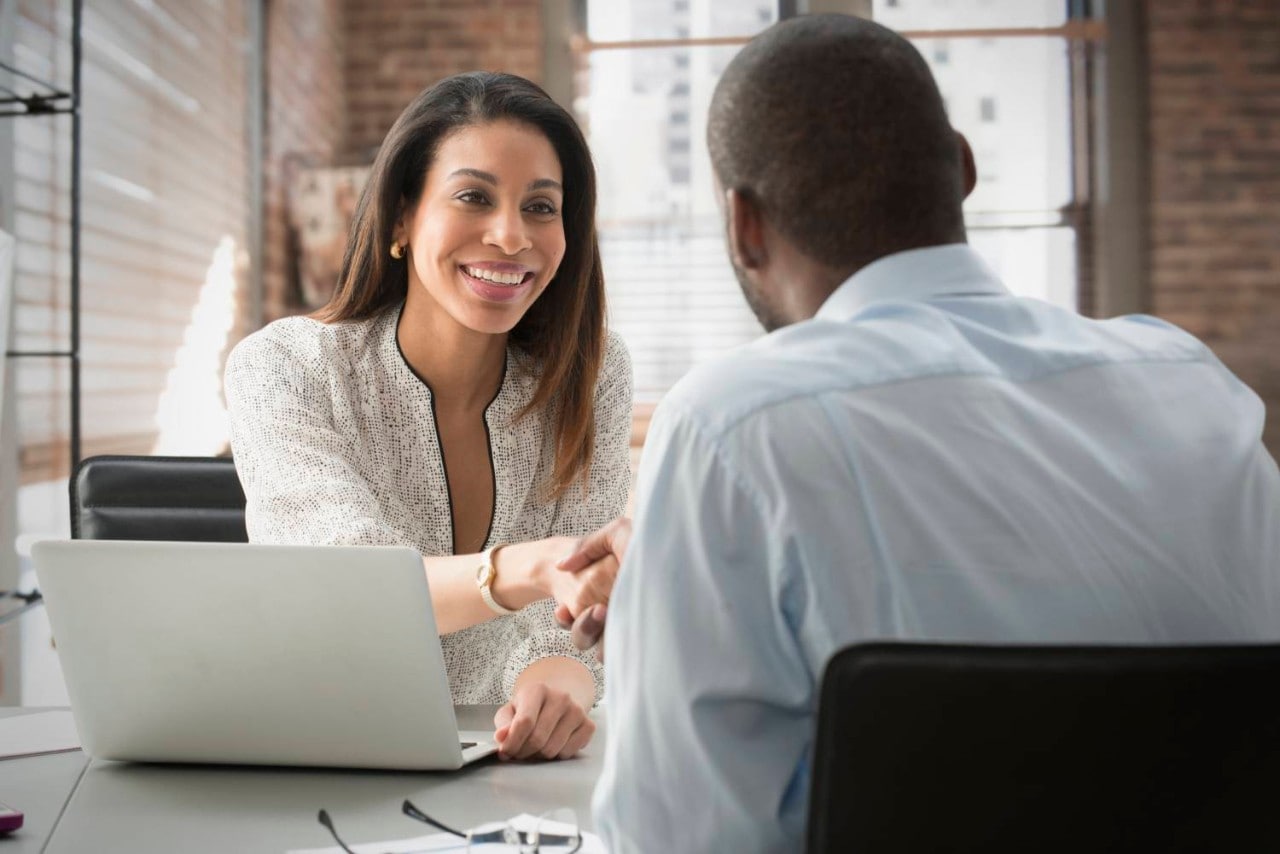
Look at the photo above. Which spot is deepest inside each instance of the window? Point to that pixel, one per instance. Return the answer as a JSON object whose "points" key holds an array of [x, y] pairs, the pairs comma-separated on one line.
{"points": [[160, 234], [1014, 97], [672, 294]]}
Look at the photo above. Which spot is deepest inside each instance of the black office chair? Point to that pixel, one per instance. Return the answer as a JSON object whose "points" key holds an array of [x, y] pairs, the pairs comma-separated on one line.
{"points": [[193, 499], [926, 747]]}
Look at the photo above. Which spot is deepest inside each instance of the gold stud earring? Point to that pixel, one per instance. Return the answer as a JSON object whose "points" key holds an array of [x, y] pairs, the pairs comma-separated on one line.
{"points": [[397, 251]]}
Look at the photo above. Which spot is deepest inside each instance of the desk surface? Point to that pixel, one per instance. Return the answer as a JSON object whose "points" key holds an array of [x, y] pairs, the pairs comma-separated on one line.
{"points": [[72, 804]]}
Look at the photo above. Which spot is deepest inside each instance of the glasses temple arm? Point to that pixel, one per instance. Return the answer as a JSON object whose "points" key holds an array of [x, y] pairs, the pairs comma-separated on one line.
{"points": [[413, 812], [324, 819]]}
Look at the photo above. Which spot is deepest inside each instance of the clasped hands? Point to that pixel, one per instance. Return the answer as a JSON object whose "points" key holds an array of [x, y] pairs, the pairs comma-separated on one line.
{"points": [[595, 564]]}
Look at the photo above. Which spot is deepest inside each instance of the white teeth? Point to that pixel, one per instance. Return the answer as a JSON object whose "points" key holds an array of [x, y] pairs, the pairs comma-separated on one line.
{"points": [[496, 278]]}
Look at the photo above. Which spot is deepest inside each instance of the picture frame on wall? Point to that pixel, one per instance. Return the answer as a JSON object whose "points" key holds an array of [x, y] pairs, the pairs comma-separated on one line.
{"points": [[322, 203]]}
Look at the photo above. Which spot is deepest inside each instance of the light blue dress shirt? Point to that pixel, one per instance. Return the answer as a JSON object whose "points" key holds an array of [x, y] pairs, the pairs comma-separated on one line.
{"points": [[928, 458]]}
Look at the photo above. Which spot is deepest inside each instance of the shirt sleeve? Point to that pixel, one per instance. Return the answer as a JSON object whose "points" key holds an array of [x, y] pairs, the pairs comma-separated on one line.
{"points": [[543, 638], [297, 470], [709, 692], [608, 489]]}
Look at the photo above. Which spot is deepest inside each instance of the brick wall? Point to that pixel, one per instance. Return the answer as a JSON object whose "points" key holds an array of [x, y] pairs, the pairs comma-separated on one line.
{"points": [[396, 48], [1214, 100], [305, 122], [339, 72]]}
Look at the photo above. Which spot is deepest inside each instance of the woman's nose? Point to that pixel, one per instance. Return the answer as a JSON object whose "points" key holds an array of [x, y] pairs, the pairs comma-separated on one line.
{"points": [[506, 231]]}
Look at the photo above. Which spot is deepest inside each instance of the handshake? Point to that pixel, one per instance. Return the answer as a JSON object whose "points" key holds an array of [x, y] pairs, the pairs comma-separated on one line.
{"points": [[592, 567]]}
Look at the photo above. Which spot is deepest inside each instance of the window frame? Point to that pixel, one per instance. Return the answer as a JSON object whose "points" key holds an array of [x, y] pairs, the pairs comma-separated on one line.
{"points": [[1106, 106]]}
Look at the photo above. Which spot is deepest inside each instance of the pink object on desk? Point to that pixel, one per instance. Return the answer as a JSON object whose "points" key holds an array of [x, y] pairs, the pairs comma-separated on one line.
{"points": [[10, 819]]}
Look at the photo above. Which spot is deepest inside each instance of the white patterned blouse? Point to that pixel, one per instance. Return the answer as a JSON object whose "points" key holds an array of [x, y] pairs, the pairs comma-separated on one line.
{"points": [[334, 438]]}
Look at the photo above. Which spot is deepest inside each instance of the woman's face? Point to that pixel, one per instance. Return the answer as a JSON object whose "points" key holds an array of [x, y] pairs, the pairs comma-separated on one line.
{"points": [[487, 235]]}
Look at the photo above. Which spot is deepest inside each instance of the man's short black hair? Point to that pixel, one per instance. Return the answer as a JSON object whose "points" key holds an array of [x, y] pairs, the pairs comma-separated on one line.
{"points": [[834, 125]]}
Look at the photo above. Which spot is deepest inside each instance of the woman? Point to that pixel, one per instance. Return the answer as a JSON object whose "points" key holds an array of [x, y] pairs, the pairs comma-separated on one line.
{"points": [[459, 394]]}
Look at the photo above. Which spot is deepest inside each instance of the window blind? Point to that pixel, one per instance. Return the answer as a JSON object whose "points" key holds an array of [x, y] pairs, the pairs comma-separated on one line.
{"points": [[163, 225]]}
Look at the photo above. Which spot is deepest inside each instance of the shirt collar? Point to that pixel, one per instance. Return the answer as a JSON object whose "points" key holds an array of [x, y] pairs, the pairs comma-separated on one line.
{"points": [[917, 274]]}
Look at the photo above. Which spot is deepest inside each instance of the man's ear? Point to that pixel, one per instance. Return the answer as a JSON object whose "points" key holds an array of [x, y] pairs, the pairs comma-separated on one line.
{"points": [[745, 230], [968, 168]]}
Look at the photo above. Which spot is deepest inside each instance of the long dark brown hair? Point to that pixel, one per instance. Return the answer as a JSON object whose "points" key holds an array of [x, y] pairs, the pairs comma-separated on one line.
{"points": [[564, 328]]}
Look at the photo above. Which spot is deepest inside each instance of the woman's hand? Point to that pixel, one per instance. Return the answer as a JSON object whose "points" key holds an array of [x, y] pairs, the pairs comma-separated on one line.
{"points": [[541, 722], [524, 573], [577, 591], [593, 564], [527, 572]]}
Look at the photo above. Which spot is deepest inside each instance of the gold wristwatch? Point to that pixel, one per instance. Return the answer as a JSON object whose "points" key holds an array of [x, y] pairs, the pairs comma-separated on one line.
{"points": [[485, 574]]}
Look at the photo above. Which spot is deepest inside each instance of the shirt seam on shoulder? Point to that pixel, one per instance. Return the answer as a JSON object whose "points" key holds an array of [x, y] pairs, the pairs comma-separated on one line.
{"points": [[733, 423], [731, 473]]}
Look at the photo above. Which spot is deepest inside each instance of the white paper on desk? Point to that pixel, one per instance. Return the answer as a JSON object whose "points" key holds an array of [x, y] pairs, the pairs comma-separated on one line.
{"points": [[36, 733], [591, 843]]}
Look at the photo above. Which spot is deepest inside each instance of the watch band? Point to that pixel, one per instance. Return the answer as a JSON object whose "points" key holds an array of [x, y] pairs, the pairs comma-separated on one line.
{"points": [[484, 579]]}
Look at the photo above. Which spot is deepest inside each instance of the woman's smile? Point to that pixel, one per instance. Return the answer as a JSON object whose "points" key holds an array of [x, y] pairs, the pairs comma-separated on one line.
{"points": [[498, 281]]}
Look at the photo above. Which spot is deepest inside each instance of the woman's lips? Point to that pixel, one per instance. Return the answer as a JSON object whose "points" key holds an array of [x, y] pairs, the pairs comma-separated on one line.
{"points": [[495, 292]]}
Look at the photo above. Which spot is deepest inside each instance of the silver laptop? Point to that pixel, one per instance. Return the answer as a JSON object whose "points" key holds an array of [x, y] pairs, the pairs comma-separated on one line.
{"points": [[251, 654]]}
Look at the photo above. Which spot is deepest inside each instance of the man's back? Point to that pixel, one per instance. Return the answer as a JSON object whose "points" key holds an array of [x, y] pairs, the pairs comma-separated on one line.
{"points": [[1010, 471], [929, 458]]}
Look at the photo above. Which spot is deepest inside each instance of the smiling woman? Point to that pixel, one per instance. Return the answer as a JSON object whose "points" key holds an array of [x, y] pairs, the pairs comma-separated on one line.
{"points": [[486, 237], [459, 394]]}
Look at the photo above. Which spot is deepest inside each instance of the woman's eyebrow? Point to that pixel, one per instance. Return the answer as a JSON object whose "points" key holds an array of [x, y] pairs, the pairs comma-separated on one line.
{"points": [[490, 178], [545, 184], [487, 177]]}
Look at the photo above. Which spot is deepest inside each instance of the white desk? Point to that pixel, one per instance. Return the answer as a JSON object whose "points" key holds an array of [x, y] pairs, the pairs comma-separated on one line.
{"points": [[74, 805]]}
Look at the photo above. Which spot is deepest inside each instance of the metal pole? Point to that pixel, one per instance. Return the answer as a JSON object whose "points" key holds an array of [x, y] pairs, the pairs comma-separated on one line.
{"points": [[76, 16], [257, 151]]}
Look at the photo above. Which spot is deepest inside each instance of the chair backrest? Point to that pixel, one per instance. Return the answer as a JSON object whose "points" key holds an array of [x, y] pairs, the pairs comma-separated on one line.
{"points": [[924, 747], [193, 499]]}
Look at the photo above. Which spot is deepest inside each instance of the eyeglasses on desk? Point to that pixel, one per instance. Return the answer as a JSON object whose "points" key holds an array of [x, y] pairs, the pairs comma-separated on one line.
{"points": [[535, 841]]}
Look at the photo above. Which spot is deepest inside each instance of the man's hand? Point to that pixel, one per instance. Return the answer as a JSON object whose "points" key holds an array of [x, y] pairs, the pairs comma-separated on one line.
{"points": [[577, 592], [587, 630], [609, 541], [602, 551], [541, 722]]}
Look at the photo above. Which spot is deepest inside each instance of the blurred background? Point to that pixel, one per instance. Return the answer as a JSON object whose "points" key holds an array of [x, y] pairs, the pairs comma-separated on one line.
{"points": [[1128, 154]]}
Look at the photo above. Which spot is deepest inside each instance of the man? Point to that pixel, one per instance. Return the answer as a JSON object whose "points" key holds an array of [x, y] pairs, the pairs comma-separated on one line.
{"points": [[912, 452]]}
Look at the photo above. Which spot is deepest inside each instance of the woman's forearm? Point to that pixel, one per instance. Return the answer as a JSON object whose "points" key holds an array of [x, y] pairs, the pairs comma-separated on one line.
{"points": [[567, 674], [522, 577]]}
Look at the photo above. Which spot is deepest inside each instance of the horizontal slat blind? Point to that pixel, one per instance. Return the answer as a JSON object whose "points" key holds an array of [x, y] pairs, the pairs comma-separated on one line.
{"points": [[163, 218], [673, 298], [672, 294]]}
